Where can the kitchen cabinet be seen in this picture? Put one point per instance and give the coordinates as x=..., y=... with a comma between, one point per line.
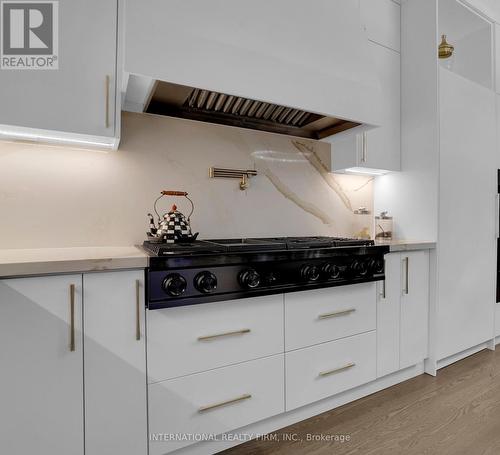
x=41, y=391
x=388, y=316
x=202, y=337
x=467, y=195
x=115, y=363
x=215, y=401
x=448, y=186
x=321, y=315
x=497, y=57
x=414, y=317
x=78, y=97
x=67, y=397
x=402, y=312
x=326, y=369
x=381, y=20
x=377, y=149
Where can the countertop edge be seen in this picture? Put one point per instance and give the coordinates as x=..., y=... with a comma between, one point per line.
x=408, y=246
x=41, y=265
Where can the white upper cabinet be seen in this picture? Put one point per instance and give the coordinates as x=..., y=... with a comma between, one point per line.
x=285, y=52
x=41, y=354
x=471, y=35
x=78, y=97
x=379, y=148
x=382, y=22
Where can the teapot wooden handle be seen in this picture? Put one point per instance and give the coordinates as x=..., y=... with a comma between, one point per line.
x=174, y=193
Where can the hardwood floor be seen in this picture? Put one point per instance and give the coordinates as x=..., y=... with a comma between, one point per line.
x=456, y=413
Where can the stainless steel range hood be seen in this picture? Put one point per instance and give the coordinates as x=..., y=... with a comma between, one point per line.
x=214, y=107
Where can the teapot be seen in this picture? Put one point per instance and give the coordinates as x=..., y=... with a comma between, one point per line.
x=173, y=226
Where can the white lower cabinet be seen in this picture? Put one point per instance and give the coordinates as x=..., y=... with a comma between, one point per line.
x=74, y=365
x=324, y=370
x=214, y=402
x=388, y=316
x=413, y=342
x=41, y=353
x=402, y=312
x=115, y=363
x=316, y=316
x=196, y=338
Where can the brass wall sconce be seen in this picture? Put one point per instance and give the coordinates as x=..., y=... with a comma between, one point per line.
x=242, y=174
x=445, y=50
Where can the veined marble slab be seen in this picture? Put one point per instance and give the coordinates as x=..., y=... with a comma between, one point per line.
x=25, y=262
x=407, y=245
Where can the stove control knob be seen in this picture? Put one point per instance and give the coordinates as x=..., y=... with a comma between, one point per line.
x=332, y=271
x=359, y=268
x=376, y=265
x=174, y=285
x=249, y=278
x=309, y=272
x=205, y=282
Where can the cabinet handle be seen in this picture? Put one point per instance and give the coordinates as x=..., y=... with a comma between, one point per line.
x=108, y=80
x=364, y=148
x=225, y=334
x=72, y=346
x=246, y=396
x=336, y=370
x=137, y=310
x=497, y=215
x=337, y=313
x=383, y=292
x=406, y=261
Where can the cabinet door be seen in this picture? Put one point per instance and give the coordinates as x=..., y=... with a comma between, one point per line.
x=115, y=364
x=378, y=148
x=414, y=307
x=383, y=145
x=74, y=97
x=388, y=316
x=41, y=391
x=467, y=196
x=382, y=22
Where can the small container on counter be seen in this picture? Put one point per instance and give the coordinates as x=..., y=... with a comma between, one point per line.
x=383, y=227
x=363, y=223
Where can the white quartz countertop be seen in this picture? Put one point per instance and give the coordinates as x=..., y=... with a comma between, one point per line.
x=407, y=245
x=42, y=261
x=22, y=262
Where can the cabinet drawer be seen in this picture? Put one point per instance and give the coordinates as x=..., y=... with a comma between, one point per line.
x=196, y=338
x=313, y=317
x=382, y=22
x=215, y=401
x=327, y=369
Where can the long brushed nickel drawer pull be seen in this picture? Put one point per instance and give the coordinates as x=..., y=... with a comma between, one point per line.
x=336, y=370
x=246, y=396
x=72, y=344
x=137, y=310
x=337, y=313
x=225, y=334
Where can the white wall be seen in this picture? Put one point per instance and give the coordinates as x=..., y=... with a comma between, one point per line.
x=53, y=196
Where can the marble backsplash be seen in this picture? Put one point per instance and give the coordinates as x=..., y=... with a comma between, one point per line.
x=56, y=196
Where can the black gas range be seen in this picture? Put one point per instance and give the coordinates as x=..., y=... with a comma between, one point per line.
x=224, y=269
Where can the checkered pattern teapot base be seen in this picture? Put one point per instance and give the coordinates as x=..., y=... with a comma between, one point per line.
x=174, y=226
